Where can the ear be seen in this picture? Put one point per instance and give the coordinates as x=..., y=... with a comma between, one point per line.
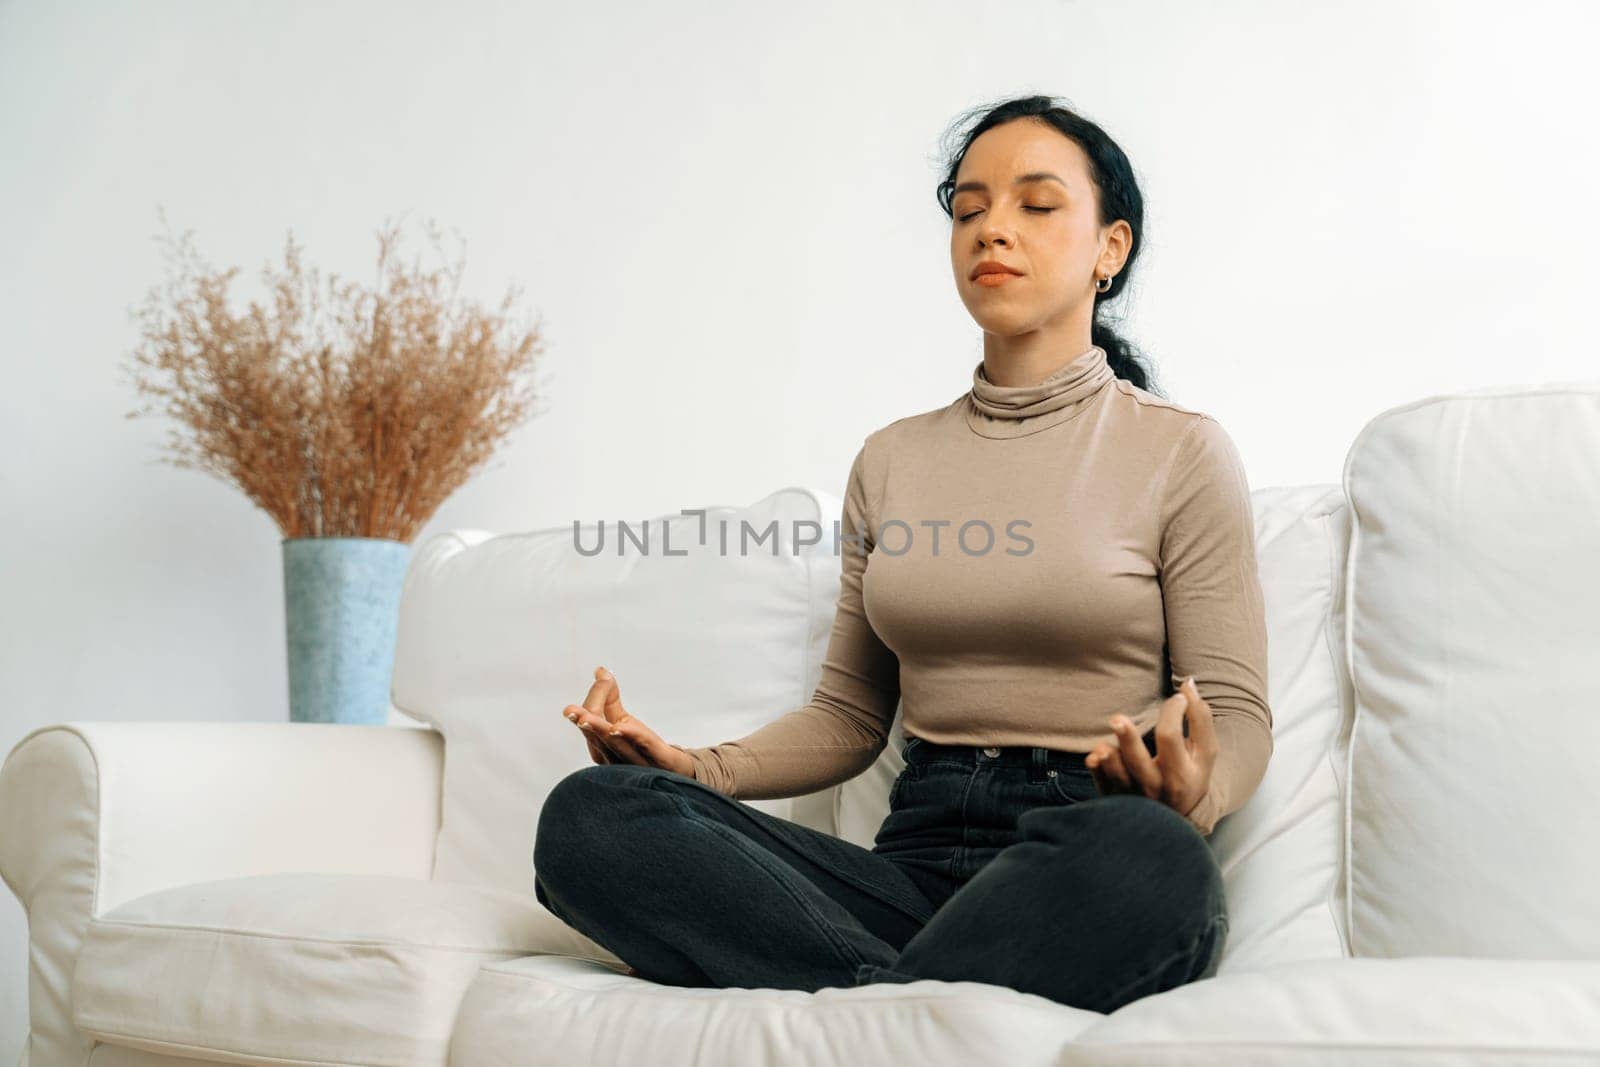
x=1116, y=244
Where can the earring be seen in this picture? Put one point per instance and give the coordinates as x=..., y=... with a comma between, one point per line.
x=1102, y=284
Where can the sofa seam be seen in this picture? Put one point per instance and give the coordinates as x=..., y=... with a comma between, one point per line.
x=360, y=943
x=1347, y=849
x=660, y=990
x=295, y=1061
x=1294, y=1045
x=1343, y=692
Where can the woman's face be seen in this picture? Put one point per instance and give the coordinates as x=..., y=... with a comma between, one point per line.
x=1023, y=198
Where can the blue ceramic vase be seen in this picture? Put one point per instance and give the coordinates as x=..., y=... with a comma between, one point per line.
x=341, y=609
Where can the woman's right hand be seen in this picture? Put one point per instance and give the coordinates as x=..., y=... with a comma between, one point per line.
x=615, y=736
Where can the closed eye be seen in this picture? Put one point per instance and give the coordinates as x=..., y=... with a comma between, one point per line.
x=1038, y=210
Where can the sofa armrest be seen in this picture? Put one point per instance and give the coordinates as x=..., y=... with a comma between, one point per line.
x=93, y=814
x=129, y=808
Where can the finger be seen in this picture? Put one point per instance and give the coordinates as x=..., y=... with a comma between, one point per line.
x=1202, y=726
x=604, y=698
x=644, y=740
x=603, y=702
x=1119, y=770
x=620, y=725
x=599, y=730
x=1110, y=776
x=1095, y=761
x=597, y=749
x=611, y=705
x=595, y=699
x=1172, y=754
x=1141, y=766
x=619, y=743
x=597, y=752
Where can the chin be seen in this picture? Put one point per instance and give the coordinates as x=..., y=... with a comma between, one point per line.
x=1005, y=322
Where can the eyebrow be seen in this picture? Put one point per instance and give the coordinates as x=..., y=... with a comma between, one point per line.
x=1031, y=176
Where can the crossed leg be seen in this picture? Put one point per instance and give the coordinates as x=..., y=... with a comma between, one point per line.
x=1100, y=903
x=694, y=888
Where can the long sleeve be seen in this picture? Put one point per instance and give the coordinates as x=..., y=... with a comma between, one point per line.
x=846, y=725
x=1215, y=611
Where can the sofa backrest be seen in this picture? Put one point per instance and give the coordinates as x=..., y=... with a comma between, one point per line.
x=1472, y=639
x=1431, y=789
x=708, y=640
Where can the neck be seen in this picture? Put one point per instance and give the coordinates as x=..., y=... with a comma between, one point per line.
x=1009, y=364
x=1009, y=410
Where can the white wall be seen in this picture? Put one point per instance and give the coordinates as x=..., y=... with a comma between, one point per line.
x=725, y=215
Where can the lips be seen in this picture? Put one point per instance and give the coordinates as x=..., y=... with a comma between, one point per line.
x=992, y=266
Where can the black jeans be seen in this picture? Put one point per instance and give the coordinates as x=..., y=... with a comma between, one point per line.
x=996, y=865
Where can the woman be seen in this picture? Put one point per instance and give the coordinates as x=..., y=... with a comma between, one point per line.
x=1083, y=700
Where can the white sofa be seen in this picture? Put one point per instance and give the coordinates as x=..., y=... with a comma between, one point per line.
x=1415, y=882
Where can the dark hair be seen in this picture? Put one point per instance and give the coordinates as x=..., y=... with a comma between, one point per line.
x=1118, y=196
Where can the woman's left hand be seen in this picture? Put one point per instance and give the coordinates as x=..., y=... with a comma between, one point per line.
x=1179, y=773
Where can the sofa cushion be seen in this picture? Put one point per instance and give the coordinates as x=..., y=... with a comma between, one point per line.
x=304, y=968
x=556, y=1010
x=1383, y=1012
x=708, y=641
x=1474, y=582
x=1280, y=852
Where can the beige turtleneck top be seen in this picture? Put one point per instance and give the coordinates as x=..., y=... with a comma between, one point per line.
x=1032, y=560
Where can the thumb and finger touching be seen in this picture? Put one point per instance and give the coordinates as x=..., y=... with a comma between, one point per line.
x=1126, y=765
x=610, y=728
